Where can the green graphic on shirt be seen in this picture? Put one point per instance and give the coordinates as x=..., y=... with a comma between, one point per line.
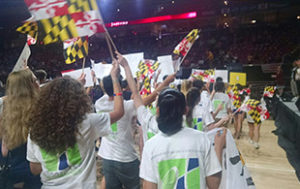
x=153, y=111
x=62, y=161
x=198, y=124
x=114, y=127
x=217, y=103
x=150, y=135
x=179, y=173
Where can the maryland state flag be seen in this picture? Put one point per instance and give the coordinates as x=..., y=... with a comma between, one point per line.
x=255, y=110
x=236, y=97
x=60, y=20
x=269, y=91
x=30, y=28
x=186, y=44
x=146, y=71
x=204, y=75
x=147, y=68
x=75, y=49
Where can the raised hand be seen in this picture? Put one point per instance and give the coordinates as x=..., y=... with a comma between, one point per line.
x=81, y=79
x=115, y=70
x=121, y=60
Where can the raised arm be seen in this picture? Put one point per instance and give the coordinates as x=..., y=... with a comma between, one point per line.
x=150, y=98
x=131, y=83
x=118, y=111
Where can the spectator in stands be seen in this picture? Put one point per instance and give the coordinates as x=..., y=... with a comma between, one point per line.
x=66, y=157
x=21, y=92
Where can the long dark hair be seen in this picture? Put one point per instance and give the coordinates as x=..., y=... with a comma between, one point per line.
x=171, y=104
x=192, y=99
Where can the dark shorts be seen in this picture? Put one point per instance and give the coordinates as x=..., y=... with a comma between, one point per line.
x=118, y=174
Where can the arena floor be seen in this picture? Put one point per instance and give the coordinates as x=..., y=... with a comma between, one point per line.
x=268, y=166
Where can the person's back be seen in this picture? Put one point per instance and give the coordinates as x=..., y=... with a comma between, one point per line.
x=119, y=145
x=179, y=157
x=76, y=166
x=117, y=150
x=66, y=158
x=21, y=91
x=182, y=160
x=221, y=98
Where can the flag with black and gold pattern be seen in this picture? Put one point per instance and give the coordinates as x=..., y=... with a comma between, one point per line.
x=252, y=109
x=269, y=91
x=186, y=44
x=204, y=75
x=58, y=28
x=29, y=28
x=75, y=49
x=60, y=20
x=147, y=68
x=81, y=6
x=236, y=97
x=146, y=88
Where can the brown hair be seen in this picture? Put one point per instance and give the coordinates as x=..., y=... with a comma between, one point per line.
x=21, y=91
x=58, y=112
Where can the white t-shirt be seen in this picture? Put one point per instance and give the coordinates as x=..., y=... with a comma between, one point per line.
x=148, y=122
x=1, y=105
x=120, y=145
x=182, y=160
x=201, y=118
x=205, y=101
x=76, y=167
x=218, y=99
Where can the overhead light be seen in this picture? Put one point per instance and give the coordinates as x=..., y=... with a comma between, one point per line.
x=162, y=8
x=225, y=14
x=173, y=2
x=298, y=17
x=118, y=10
x=225, y=2
x=253, y=21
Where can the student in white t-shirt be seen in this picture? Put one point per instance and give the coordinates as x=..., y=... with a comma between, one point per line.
x=179, y=156
x=220, y=98
x=191, y=144
x=61, y=144
x=198, y=117
x=117, y=150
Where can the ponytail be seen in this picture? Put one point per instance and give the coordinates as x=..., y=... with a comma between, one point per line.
x=192, y=99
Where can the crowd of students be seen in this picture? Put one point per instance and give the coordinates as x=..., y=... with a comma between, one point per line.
x=48, y=132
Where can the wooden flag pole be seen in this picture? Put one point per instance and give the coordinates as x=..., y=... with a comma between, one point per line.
x=112, y=42
x=109, y=48
x=185, y=56
x=83, y=65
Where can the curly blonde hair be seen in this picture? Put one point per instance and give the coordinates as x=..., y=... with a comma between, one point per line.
x=58, y=112
x=21, y=92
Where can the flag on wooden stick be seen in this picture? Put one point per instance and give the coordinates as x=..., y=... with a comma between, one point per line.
x=75, y=49
x=60, y=20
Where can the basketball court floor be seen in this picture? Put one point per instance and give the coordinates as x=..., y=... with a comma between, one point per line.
x=268, y=165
